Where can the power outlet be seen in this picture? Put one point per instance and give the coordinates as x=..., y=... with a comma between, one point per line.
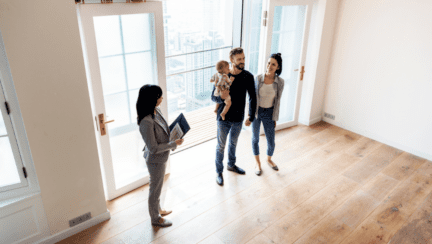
x=330, y=116
x=80, y=219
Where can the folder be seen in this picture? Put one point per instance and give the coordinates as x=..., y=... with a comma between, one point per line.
x=179, y=128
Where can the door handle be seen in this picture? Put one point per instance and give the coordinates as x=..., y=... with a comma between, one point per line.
x=301, y=72
x=108, y=121
x=102, y=123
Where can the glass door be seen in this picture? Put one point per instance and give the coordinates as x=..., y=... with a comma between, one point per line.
x=124, y=44
x=286, y=31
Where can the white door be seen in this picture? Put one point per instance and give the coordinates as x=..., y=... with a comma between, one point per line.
x=124, y=45
x=286, y=30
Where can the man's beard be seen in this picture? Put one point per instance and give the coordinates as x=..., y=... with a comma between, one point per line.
x=240, y=68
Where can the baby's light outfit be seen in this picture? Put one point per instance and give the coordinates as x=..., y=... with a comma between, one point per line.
x=221, y=80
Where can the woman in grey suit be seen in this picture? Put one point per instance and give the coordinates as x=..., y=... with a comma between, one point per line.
x=155, y=132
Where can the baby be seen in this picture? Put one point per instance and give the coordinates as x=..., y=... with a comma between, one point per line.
x=222, y=83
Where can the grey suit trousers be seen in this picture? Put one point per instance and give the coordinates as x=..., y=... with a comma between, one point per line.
x=157, y=174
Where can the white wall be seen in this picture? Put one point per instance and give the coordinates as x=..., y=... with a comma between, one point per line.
x=43, y=47
x=380, y=81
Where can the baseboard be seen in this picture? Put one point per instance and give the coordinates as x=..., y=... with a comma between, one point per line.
x=380, y=139
x=310, y=122
x=76, y=229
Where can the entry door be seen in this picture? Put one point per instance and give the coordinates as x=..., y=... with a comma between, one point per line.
x=124, y=44
x=286, y=30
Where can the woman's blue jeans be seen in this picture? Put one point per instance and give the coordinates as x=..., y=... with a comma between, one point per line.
x=265, y=115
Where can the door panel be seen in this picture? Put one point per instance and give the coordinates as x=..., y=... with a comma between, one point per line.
x=286, y=32
x=124, y=44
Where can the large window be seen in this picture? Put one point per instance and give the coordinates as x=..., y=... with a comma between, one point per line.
x=198, y=33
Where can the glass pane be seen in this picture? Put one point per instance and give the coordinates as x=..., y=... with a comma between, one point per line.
x=127, y=156
x=140, y=69
x=108, y=38
x=210, y=27
x=136, y=32
x=253, y=35
x=133, y=97
x=2, y=126
x=176, y=95
x=117, y=108
x=112, y=74
x=287, y=39
x=8, y=170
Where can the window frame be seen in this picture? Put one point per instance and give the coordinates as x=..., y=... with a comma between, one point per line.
x=236, y=42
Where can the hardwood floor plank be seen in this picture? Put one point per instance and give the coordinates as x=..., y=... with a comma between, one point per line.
x=353, y=211
x=373, y=164
x=392, y=213
x=291, y=226
x=418, y=228
x=404, y=166
x=341, y=222
x=381, y=186
x=367, y=146
x=260, y=239
x=279, y=204
x=328, y=230
x=211, y=240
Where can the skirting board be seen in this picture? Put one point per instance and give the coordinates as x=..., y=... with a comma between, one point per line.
x=380, y=139
x=310, y=122
x=76, y=229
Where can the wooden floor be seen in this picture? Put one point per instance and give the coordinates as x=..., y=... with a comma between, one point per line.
x=333, y=186
x=203, y=127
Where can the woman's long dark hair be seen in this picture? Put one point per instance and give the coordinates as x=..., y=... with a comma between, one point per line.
x=147, y=100
x=278, y=58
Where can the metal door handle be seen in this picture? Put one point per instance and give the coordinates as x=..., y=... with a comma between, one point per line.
x=102, y=123
x=108, y=121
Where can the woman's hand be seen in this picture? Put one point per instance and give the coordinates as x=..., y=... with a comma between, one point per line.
x=179, y=141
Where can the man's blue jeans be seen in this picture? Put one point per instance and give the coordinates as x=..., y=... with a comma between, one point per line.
x=234, y=129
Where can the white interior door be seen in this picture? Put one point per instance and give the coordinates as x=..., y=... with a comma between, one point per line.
x=286, y=31
x=124, y=44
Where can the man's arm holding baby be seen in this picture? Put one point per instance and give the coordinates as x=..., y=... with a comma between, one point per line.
x=223, y=96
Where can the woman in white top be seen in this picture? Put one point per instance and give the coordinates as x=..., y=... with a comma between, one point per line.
x=269, y=87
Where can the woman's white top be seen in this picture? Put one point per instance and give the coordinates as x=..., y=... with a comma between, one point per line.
x=267, y=94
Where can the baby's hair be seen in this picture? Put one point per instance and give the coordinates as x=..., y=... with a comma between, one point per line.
x=220, y=65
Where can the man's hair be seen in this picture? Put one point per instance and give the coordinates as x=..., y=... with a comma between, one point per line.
x=220, y=65
x=235, y=51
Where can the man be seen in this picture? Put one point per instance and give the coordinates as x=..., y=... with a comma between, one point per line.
x=243, y=82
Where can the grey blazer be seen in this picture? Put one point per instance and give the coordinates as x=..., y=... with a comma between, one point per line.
x=278, y=86
x=156, y=138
